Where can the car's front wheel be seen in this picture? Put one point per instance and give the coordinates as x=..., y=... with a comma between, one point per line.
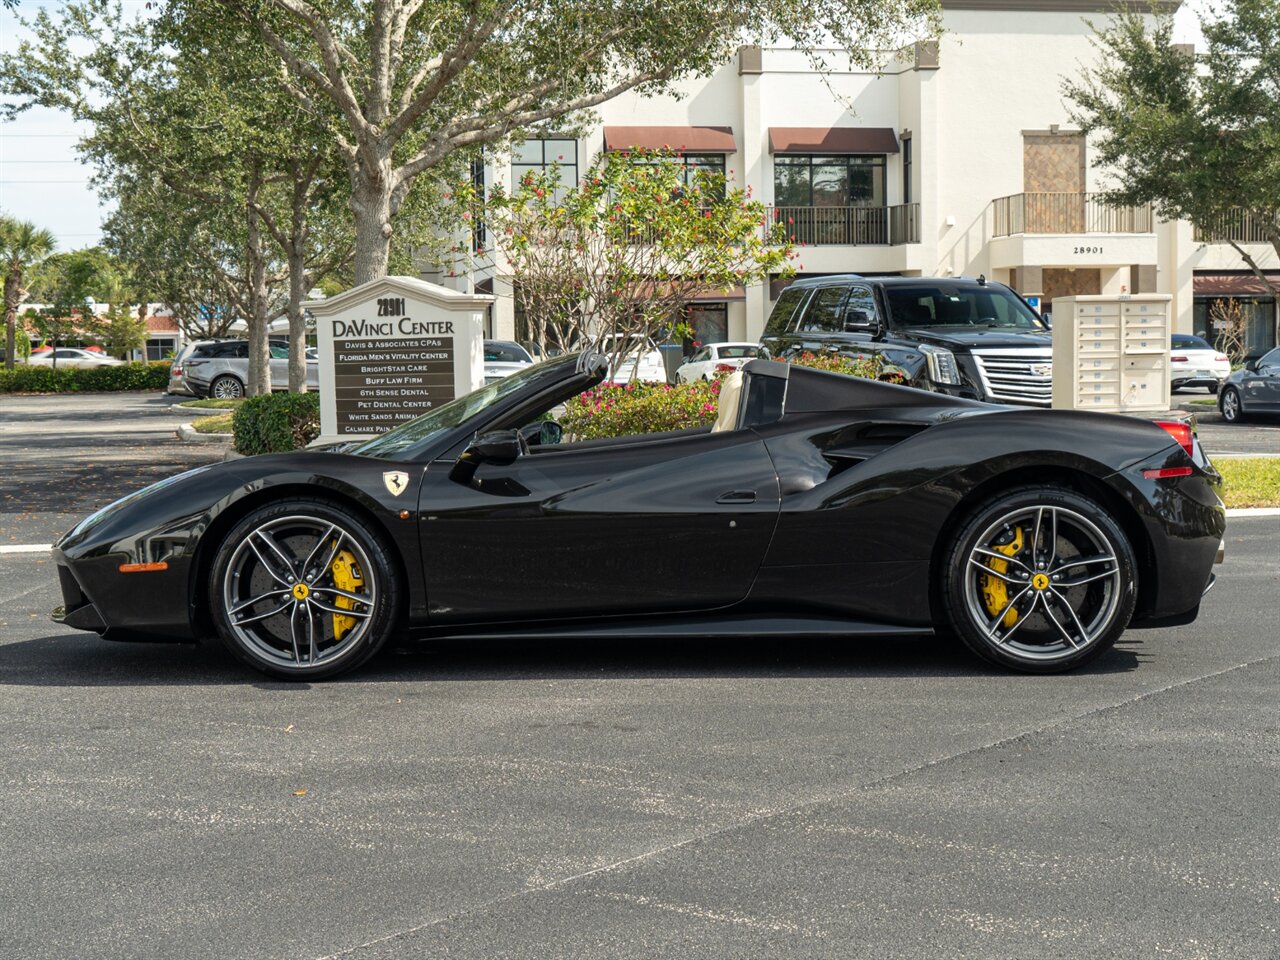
x=1229, y=405
x=1040, y=579
x=302, y=590
x=226, y=387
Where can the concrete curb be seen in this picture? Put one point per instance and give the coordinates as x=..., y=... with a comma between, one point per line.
x=1242, y=513
x=188, y=434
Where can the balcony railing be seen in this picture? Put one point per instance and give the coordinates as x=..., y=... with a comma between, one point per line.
x=1066, y=213
x=1238, y=224
x=849, y=226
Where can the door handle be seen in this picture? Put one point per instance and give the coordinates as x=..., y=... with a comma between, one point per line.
x=737, y=496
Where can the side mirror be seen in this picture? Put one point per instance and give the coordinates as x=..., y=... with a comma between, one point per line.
x=1252, y=364
x=858, y=321
x=500, y=447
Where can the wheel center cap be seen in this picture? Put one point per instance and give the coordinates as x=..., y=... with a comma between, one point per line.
x=1040, y=581
x=300, y=591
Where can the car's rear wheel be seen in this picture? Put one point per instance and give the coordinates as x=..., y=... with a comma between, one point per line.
x=302, y=590
x=1230, y=406
x=226, y=387
x=1040, y=579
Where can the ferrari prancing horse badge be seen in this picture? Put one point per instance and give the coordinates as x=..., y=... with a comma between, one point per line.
x=396, y=481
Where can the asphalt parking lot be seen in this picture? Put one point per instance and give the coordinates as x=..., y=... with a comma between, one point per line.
x=711, y=800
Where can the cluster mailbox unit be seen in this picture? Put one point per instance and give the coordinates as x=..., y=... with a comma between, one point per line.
x=1111, y=353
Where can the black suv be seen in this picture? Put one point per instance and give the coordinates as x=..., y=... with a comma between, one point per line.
x=969, y=338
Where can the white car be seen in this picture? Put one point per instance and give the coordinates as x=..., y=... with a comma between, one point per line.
x=502, y=358
x=713, y=358
x=71, y=357
x=1194, y=363
x=640, y=360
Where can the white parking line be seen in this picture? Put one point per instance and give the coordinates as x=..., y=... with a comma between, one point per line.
x=26, y=547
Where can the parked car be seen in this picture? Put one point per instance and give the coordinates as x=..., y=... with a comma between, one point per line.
x=1253, y=389
x=968, y=338
x=638, y=359
x=817, y=505
x=1194, y=363
x=220, y=368
x=69, y=357
x=177, y=370
x=713, y=358
x=503, y=358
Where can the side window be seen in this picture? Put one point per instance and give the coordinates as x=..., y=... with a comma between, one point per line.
x=1270, y=361
x=825, y=312
x=860, y=308
x=701, y=355
x=278, y=352
x=239, y=350
x=787, y=308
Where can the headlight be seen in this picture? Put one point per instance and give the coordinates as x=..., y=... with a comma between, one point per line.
x=942, y=364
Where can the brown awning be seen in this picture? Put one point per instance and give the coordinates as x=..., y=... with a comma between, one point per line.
x=683, y=139
x=1233, y=284
x=700, y=294
x=832, y=140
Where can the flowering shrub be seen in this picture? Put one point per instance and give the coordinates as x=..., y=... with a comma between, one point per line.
x=610, y=410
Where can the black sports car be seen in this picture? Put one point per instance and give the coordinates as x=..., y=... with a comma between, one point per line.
x=816, y=504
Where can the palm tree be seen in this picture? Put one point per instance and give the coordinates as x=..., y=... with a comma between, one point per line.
x=22, y=246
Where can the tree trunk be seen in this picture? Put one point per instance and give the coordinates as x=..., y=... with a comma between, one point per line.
x=12, y=294
x=297, y=320
x=259, y=344
x=371, y=204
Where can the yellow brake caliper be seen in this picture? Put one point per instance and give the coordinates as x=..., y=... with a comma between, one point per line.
x=347, y=576
x=995, y=593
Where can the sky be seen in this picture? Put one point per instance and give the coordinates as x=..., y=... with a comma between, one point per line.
x=42, y=180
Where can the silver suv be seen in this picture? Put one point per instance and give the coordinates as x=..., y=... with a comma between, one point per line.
x=220, y=368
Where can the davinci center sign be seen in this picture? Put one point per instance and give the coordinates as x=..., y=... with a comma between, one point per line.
x=394, y=349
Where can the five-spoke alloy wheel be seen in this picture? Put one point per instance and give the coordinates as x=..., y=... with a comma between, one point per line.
x=301, y=590
x=1229, y=404
x=1040, y=579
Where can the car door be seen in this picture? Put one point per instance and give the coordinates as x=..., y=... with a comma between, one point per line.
x=1267, y=380
x=663, y=524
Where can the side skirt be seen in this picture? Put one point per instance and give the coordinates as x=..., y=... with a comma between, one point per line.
x=642, y=627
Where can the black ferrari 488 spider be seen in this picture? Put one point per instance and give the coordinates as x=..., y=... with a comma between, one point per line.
x=818, y=504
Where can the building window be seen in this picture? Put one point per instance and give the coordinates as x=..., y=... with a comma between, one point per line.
x=479, y=231
x=805, y=180
x=539, y=156
x=159, y=348
x=906, y=169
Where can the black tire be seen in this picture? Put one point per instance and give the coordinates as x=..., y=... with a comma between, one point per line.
x=226, y=387
x=1230, y=405
x=294, y=628
x=1067, y=623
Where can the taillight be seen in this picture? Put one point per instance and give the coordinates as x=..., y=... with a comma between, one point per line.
x=176, y=371
x=1181, y=431
x=1177, y=359
x=1222, y=358
x=725, y=368
x=1166, y=473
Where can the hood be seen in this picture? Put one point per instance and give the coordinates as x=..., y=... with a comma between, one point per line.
x=968, y=338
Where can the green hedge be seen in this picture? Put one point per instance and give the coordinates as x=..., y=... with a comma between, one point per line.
x=276, y=423
x=128, y=376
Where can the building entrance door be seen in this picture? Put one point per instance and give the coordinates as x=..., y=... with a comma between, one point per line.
x=710, y=322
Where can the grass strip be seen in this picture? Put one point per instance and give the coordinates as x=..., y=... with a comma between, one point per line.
x=210, y=403
x=1250, y=481
x=221, y=423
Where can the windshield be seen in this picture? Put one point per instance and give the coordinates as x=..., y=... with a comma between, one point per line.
x=497, y=352
x=459, y=411
x=941, y=304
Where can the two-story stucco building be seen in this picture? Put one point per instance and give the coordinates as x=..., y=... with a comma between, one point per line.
x=957, y=159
